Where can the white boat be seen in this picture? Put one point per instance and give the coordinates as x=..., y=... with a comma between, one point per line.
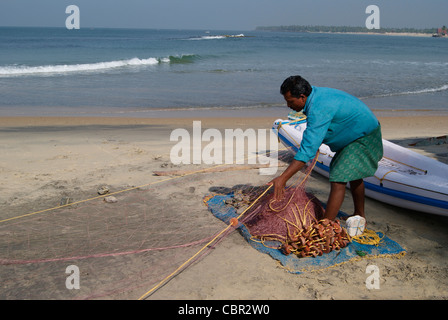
x=404, y=178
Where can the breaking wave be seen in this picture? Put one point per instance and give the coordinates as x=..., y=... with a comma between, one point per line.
x=214, y=37
x=422, y=91
x=18, y=70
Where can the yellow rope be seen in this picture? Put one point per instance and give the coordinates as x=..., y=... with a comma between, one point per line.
x=142, y=186
x=303, y=180
x=408, y=165
x=121, y=191
x=202, y=249
x=109, y=194
x=384, y=176
x=369, y=237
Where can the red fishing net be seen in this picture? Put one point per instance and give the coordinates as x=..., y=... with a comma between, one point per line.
x=295, y=223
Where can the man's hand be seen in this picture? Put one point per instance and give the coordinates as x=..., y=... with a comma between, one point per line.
x=280, y=182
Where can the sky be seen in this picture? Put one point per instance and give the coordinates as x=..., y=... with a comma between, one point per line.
x=223, y=14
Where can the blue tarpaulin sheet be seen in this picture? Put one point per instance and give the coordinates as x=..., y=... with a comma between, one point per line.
x=294, y=264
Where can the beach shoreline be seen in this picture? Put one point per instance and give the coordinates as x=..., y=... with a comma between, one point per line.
x=47, y=159
x=214, y=116
x=395, y=125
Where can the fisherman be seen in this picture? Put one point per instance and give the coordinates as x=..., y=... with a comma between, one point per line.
x=348, y=127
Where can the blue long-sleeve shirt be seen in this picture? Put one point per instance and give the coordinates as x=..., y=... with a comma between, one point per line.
x=334, y=118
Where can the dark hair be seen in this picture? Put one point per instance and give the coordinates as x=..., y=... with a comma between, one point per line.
x=296, y=85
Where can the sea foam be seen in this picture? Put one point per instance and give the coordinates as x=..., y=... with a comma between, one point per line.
x=16, y=70
x=214, y=37
x=411, y=92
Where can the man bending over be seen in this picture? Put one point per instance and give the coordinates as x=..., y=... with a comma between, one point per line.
x=348, y=127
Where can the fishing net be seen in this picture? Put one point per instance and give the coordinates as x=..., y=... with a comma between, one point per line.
x=294, y=224
x=118, y=247
x=154, y=232
x=121, y=248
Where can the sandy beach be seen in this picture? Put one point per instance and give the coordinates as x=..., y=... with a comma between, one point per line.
x=49, y=162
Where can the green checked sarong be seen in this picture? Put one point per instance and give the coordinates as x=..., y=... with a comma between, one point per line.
x=359, y=159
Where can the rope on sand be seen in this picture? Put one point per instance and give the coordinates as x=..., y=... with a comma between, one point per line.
x=213, y=169
x=108, y=194
x=231, y=225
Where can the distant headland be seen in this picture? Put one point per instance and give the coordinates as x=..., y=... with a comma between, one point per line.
x=428, y=32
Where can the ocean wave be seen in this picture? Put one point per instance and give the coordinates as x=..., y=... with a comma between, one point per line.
x=180, y=59
x=18, y=70
x=422, y=91
x=214, y=37
x=436, y=64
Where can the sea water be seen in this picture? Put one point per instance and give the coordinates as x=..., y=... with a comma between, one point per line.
x=151, y=73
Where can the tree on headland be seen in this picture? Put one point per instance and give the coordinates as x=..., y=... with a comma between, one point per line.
x=343, y=29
